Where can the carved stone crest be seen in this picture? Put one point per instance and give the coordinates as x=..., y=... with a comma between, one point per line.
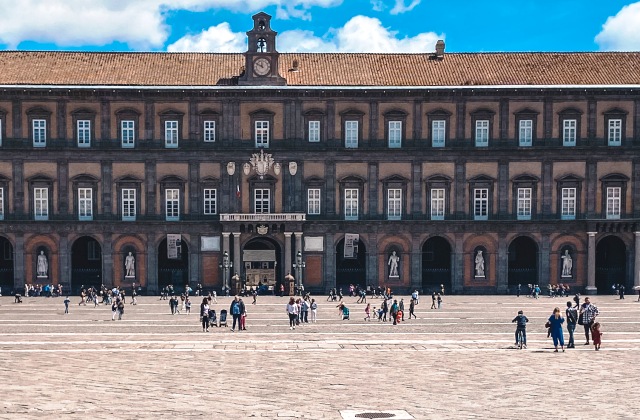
x=231, y=168
x=262, y=229
x=293, y=168
x=261, y=163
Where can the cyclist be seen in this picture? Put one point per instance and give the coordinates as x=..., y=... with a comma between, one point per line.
x=521, y=321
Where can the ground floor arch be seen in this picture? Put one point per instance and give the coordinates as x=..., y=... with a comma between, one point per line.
x=351, y=270
x=611, y=263
x=436, y=264
x=262, y=264
x=6, y=265
x=523, y=261
x=173, y=271
x=86, y=263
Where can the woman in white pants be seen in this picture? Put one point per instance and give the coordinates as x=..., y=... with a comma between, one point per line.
x=314, y=311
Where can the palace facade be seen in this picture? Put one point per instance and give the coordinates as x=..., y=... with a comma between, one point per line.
x=477, y=171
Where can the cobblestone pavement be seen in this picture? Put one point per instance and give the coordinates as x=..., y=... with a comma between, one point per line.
x=456, y=362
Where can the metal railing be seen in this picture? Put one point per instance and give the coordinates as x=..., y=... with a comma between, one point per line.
x=263, y=217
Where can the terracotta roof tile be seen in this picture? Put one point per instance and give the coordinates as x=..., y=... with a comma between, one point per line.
x=322, y=69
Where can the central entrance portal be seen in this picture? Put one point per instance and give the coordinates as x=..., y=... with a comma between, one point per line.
x=260, y=258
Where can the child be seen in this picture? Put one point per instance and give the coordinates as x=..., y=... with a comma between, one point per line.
x=596, y=334
x=367, y=312
x=399, y=315
x=521, y=321
x=66, y=305
x=380, y=314
x=187, y=304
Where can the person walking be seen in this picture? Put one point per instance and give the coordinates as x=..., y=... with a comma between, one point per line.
x=314, y=311
x=67, y=301
x=243, y=316
x=401, y=308
x=433, y=300
x=204, y=314
x=367, y=312
x=393, y=312
x=439, y=301
x=385, y=309
x=292, y=311
x=597, y=335
x=120, y=309
x=621, y=290
x=412, y=307
x=518, y=290
x=588, y=313
x=572, y=319
x=235, y=311
x=555, y=322
x=114, y=309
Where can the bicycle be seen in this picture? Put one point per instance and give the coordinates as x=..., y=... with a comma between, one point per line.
x=520, y=339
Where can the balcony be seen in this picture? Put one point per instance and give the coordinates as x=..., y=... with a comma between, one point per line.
x=263, y=217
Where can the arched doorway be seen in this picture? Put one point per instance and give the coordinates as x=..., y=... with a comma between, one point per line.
x=436, y=264
x=86, y=264
x=6, y=265
x=611, y=263
x=351, y=270
x=174, y=271
x=260, y=264
x=523, y=261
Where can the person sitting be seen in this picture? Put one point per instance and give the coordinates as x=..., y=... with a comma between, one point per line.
x=18, y=298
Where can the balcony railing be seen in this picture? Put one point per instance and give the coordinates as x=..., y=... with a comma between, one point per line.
x=263, y=217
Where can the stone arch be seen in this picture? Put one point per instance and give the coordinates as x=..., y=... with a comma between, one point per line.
x=121, y=246
x=31, y=247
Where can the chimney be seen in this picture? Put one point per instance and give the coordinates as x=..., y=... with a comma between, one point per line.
x=295, y=66
x=440, y=49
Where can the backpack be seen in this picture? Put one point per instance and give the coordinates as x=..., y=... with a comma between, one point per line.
x=236, y=309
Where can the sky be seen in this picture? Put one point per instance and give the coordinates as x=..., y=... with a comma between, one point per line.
x=376, y=26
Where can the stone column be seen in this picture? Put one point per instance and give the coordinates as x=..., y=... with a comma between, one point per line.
x=237, y=260
x=298, y=236
x=591, y=265
x=152, y=265
x=225, y=248
x=287, y=255
x=636, y=264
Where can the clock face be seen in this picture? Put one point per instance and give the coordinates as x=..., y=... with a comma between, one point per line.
x=261, y=66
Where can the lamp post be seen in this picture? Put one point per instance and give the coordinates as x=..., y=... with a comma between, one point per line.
x=225, y=265
x=298, y=266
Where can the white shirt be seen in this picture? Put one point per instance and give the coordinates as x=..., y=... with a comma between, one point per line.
x=292, y=309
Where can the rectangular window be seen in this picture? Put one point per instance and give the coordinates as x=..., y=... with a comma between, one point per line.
x=39, y=133
x=262, y=133
x=525, y=135
x=615, y=133
x=84, y=133
x=41, y=203
x=351, y=204
x=351, y=134
x=394, y=204
x=524, y=203
x=613, y=202
x=262, y=200
x=313, y=201
x=438, y=133
x=93, y=251
x=85, y=204
x=209, y=131
x=481, y=204
x=569, y=132
x=128, y=204
x=127, y=132
x=482, y=133
x=210, y=204
x=171, y=134
x=437, y=203
x=1, y=203
x=568, y=203
x=395, y=134
x=314, y=131
x=172, y=202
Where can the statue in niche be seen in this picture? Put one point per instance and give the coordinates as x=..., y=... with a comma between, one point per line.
x=130, y=265
x=479, y=264
x=393, y=264
x=567, y=264
x=43, y=265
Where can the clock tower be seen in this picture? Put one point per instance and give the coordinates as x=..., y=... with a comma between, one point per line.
x=261, y=58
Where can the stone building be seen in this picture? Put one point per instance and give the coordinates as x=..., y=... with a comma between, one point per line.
x=480, y=171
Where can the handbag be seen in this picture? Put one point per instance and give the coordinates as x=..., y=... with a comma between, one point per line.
x=547, y=324
x=580, y=319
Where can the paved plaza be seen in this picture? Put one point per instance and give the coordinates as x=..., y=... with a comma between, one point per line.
x=456, y=362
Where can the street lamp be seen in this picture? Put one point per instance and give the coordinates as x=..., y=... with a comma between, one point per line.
x=298, y=266
x=225, y=265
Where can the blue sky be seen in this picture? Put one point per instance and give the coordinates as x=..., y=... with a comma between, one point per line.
x=322, y=25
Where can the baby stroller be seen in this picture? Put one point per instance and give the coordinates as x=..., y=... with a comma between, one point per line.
x=223, y=318
x=213, y=318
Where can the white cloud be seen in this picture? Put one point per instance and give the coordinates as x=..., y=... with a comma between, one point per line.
x=622, y=31
x=377, y=5
x=401, y=8
x=138, y=23
x=359, y=34
x=218, y=38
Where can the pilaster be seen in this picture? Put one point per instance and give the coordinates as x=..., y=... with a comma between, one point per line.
x=457, y=282
x=591, y=264
x=18, y=262
x=372, y=184
x=502, y=274
x=152, y=264
x=63, y=187
x=107, y=186
x=150, y=184
x=544, y=268
x=288, y=267
x=107, y=260
x=416, y=188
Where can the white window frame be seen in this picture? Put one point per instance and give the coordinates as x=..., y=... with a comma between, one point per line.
x=210, y=200
x=481, y=204
x=83, y=128
x=614, y=132
x=394, y=204
x=351, y=134
x=262, y=200
x=482, y=133
x=614, y=202
x=39, y=127
x=262, y=133
x=568, y=203
x=171, y=134
x=209, y=128
x=41, y=203
x=314, y=131
x=128, y=133
x=395, y=134
x=569, y=132
x=313, y=201
x=85, y=204
x=351, y=196
x=172, y=204
x=1, y=203
x=525, y=133
x=437, y=203
x=129, y=204
x=438, y=133
x=524, y=203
